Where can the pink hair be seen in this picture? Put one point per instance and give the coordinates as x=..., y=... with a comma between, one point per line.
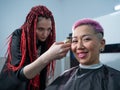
x=88, y=21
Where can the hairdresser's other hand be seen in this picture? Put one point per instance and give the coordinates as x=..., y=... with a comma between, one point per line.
x=58, y=50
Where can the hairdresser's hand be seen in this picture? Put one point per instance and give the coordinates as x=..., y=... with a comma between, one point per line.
x=58, y=50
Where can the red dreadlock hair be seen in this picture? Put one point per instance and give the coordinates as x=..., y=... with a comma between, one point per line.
x=28, y=40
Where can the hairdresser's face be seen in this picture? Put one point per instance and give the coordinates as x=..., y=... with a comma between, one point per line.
x=43, y=28
x=86, y=45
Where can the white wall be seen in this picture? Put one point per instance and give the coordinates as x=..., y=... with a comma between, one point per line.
x=111, y=25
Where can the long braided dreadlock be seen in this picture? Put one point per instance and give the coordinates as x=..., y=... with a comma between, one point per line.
x=28, y=40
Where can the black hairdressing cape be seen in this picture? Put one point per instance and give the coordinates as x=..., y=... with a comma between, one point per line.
x=103, y=78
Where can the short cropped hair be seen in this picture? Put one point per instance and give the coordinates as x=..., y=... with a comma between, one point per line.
x=87, y=21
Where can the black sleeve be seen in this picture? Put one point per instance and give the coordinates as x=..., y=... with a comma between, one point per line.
x=15, y=47
x=14, y=80
x=16, y=53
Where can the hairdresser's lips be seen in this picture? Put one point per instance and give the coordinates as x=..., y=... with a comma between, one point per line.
x=42, y=39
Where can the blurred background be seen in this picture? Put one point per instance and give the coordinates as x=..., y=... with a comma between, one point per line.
x=66, y=12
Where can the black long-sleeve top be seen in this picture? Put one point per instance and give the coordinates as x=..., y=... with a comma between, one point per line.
x=18, y=79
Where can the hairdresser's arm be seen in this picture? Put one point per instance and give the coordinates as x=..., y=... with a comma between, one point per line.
x=56, y=51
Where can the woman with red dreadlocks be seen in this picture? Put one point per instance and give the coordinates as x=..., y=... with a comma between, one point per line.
x=32, y=52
